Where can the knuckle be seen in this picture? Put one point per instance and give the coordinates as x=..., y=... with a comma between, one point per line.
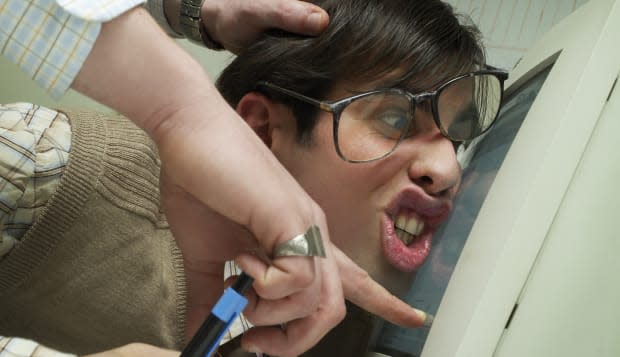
x=282, y=10
x=338, y=314
x=308, y=304
x=360, y=276
x=293, y=350
x=335, y=312
x=260, y=288
x=252, y=317
x=305, y=278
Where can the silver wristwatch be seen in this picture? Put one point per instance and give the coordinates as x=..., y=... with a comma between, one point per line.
x=192, y=26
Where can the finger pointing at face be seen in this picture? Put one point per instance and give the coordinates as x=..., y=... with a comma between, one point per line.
x=363, y=291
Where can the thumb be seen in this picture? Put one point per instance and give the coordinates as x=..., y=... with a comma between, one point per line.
x=362, y=290
x=294, y=16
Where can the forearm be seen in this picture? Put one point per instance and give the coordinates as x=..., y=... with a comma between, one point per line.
x=137, y=70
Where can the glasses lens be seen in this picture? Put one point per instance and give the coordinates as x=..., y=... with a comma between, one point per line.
x=370, y=127
x=469, y=106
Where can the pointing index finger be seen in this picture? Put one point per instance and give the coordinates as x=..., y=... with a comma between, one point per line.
x=362, y=290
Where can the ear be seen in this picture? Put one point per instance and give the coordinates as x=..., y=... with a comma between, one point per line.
x=259, y=113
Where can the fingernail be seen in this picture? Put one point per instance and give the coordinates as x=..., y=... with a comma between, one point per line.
x=428, y=320
x=316, y=21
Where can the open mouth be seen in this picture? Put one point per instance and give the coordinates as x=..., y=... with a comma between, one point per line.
x=408, y=225
x=406, y=241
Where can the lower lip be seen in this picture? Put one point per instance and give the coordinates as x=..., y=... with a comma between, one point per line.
x=402, y=257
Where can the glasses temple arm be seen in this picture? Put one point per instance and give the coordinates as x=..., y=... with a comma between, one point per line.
x=320, y=104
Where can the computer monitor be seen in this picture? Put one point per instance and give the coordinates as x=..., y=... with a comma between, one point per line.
x=526, y=264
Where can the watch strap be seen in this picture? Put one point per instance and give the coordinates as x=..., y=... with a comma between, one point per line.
x=192, y=26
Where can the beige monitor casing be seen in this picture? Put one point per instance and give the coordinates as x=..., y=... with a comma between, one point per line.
x=545, y=245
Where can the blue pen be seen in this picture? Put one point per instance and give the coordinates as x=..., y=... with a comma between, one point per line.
x=225, y=311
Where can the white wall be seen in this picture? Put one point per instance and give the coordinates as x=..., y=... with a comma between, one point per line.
x=510, y=27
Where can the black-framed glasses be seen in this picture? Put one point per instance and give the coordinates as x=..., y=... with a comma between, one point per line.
x=370, y=125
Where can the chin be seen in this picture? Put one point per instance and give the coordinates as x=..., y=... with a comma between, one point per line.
x=394, y=280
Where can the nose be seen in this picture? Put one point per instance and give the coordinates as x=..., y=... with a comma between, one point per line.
x=434, y=166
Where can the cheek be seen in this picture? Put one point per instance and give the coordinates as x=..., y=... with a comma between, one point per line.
x=351, y=195
x=353, y=211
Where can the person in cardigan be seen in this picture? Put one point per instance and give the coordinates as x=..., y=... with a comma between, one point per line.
x=383, y=169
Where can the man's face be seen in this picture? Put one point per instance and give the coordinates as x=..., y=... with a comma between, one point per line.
x=367, y=204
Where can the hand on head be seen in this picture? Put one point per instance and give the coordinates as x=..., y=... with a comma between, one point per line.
x=237, y=23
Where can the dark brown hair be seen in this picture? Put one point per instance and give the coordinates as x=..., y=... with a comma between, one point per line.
x=365, y=41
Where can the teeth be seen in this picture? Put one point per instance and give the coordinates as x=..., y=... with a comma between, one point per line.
x=404, y=236
x=407, y=227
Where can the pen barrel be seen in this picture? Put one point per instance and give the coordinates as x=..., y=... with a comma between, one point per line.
x=205, y=338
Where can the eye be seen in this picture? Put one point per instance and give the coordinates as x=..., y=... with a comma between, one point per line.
x=383, y=115
x=391, y=123
x=464, y=123
x=394, y=118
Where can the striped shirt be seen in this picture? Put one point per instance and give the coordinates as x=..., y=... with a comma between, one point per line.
x=50, y=39
x=34, y=149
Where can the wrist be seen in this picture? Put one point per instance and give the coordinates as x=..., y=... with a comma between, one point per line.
x=192, y=24
x=209, y=13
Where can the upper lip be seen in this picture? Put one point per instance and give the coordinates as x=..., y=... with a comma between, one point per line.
x=432, y=210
